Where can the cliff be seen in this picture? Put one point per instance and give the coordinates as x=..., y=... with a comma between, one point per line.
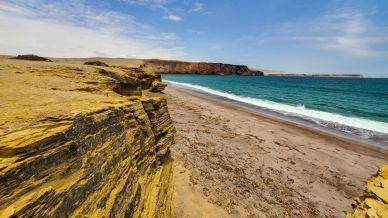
x=75, y=142
x=318, y=75
x=374, y=201
x=181, y=67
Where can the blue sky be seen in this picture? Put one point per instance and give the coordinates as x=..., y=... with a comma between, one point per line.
x=309, y=36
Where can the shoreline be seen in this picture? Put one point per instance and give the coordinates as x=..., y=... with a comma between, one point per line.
x=249, y=164
x=292, y=119
x=325, y=132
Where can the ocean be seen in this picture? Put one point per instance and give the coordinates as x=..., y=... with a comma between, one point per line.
x=353, y=107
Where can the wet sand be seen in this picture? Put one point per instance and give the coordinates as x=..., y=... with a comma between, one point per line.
x=230, y=161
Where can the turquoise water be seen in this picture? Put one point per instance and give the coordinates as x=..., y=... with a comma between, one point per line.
x=352, y=105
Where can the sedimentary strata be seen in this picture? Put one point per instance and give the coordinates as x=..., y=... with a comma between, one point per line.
x=131, y=81
x=182, y=67
x=71, y=146
x=374, y=201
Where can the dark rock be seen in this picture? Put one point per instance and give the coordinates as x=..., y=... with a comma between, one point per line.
x=31, y=57
x=96, y=63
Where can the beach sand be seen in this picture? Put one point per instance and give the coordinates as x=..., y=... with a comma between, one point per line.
x=233, y=162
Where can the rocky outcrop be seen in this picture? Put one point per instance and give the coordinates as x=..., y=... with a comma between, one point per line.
x=181, y=67
x=96, y=63
x=149, y=80
x=31, y=57
x=157, y=86
x=131, y=81
x=71, y=147
x=374, y=201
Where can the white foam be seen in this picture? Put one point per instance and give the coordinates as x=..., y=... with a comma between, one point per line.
x=299, y=110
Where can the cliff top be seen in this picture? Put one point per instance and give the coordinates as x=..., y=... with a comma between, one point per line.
x=40, y=90
x=37, y=98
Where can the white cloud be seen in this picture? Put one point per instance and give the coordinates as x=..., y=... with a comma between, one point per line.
x=174, y=18
x=81, y=32
x=9, y=8
x=76, y=12
x=143, y=2
x=158, y=4
x=345, y=31
x=197, y=7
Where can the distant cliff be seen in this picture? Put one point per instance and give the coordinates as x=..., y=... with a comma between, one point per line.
x=317, y=75
x=203, y=68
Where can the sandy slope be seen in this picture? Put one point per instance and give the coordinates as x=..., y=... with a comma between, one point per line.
x=254, y=166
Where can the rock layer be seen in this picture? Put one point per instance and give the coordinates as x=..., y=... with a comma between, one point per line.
x=70, y=146
x=131, y=81
x=181, y=67
x=374, y=201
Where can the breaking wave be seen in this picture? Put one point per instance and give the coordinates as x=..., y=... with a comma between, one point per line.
x=354, y=125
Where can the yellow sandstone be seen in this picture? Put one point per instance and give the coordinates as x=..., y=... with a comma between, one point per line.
x=75, y=142
x=373, y=202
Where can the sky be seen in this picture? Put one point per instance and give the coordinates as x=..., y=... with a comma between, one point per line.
x=299, y=36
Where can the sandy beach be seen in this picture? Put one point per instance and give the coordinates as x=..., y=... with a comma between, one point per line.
x=232, y=162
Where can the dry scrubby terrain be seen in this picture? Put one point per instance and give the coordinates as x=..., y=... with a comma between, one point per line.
x=74, y=141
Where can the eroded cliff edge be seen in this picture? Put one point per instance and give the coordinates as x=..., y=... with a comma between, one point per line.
x=75, y=141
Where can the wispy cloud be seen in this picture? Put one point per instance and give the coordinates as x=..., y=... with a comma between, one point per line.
x=174, y=18
x=197, y=7
x=173, y=10
x=157, y=4
x=161, y=5
x=74, y=29
x=346, y=31
x=144, y=2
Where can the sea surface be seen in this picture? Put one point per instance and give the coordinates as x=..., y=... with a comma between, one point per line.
x=354, y=107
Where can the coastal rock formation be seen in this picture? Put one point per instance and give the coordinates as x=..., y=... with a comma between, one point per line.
x=70, y=146
x=31, y=57
x=157, y=86
x=374, y=201
x=131, y=81
x=181, y=67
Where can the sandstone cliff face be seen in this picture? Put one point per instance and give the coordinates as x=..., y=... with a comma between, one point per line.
x=180, y=67
x=374, y=201
x=70, y=146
